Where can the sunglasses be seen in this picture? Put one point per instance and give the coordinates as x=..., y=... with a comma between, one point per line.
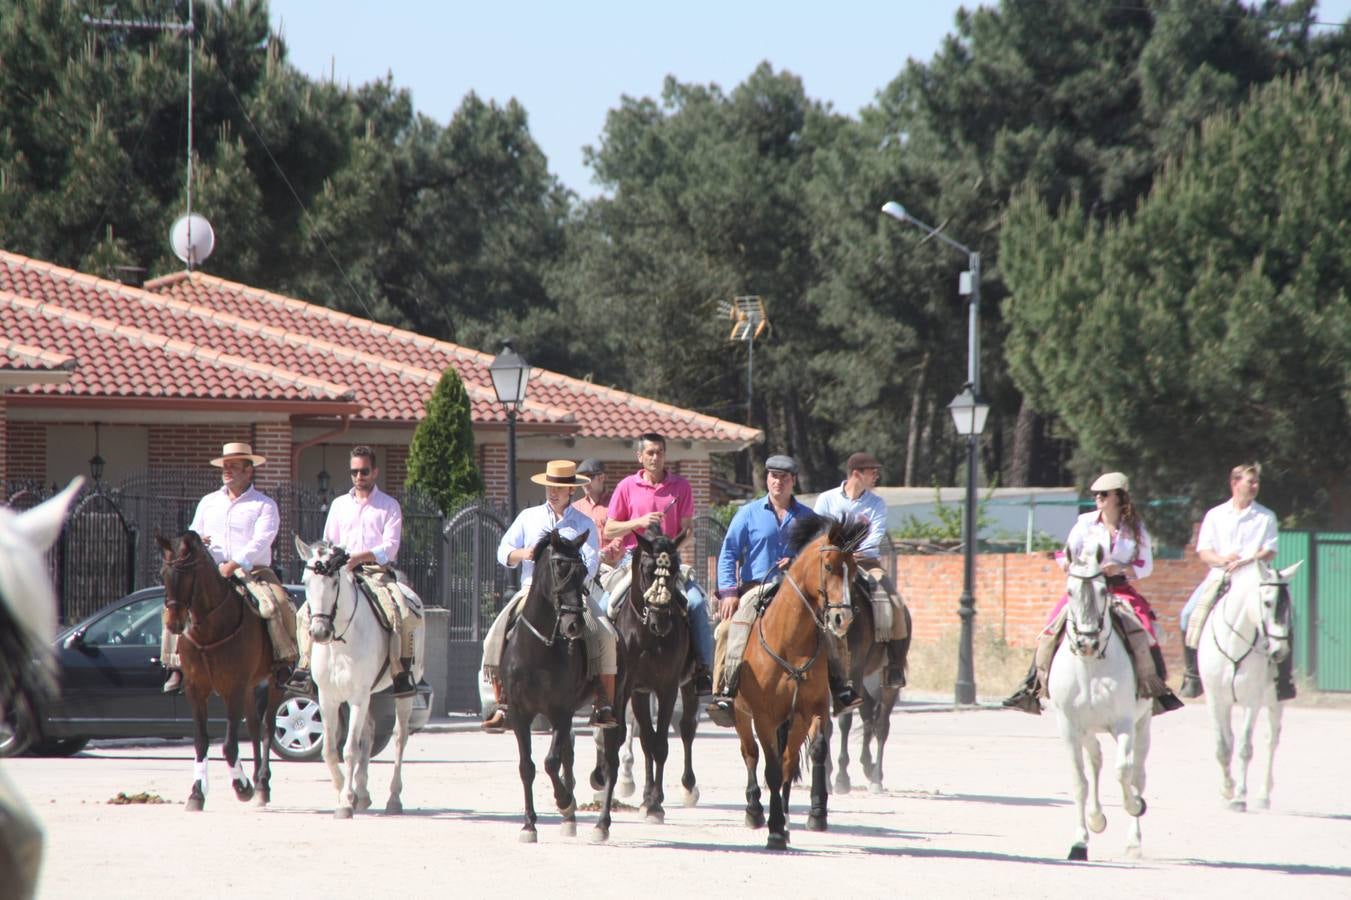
x=1103, y=495
x=363, y=472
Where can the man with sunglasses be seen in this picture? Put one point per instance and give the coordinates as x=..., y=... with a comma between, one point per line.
x=368, y=524
x=238, y=524
x=517, y=547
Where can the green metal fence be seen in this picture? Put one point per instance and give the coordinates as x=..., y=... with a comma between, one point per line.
x=1321, y=594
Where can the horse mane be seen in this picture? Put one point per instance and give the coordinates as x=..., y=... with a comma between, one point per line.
x=845, y=533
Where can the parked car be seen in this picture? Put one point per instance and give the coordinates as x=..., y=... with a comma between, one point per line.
x=111, y=679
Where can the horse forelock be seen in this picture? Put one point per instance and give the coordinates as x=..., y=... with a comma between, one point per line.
x=805, y=529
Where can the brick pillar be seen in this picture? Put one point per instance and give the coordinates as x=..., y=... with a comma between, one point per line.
x=189, y=446
x=492, y=465
x=4, y=447
x=699, y=473
x=393, y=464
x=272, y=440
x=26, y=450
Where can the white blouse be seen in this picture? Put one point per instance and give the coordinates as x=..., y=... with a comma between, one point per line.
x=1091, y=530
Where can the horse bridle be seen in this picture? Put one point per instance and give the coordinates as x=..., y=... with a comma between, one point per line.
x=188, y=564
x=798, y=674
x=1260, y=632
x=657, y=597
x=1093, y=633
x=332, y=568
x=561, y=608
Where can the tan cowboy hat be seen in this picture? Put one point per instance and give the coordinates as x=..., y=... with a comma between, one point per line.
x=560, y=473
x=1111, y=481
x=238, y=451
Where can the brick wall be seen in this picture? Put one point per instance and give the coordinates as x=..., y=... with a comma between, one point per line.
x=393, y=465
x=26, y=451
x=272, y=440
x=1014, y=593
x=699, y=472
x=492, y=465
x=188, y=446
x=4, y=446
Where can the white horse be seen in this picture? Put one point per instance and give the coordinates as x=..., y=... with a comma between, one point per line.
x=1092, y=688
x=27, y=623
x=348, y=663
x=1246, y=635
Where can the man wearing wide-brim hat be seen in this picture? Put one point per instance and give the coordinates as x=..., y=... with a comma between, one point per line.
x=560, y=479
x=238, y=524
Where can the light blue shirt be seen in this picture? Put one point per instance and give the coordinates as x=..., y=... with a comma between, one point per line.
x=868, y=507
x=534, y=523
x=755, y=540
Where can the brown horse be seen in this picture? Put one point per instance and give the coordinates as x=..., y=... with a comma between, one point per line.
x=867, y=657
x=225, y=650
x=784, y=699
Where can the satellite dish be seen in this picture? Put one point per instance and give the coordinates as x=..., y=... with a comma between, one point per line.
x=192, y=239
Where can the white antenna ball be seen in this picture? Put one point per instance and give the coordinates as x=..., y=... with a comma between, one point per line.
x=192, y=239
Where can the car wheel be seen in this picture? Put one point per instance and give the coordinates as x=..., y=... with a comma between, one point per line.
x=59, y=746
x=298, y=731
x=11, y=742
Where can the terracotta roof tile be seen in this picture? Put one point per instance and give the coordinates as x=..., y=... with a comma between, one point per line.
x=16, y=355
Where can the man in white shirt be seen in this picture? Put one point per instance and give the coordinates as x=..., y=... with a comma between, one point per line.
x=559, y=478
x=368, y=524
x=238, y=524
x=1236, y=533
x=855, y=498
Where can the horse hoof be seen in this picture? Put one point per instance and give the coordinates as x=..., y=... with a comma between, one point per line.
x=625, y=788
x=568, y=829
x=874, y=787
x=692, y=797
x=598, y=782
x=528, y=836
x=194, y=804
x=1263, y=803
x=245, y=793
x=843, y=785
x=600, y=835
x=1097, y=822
x=755, y=820
x=393, y=807
x=1239, y=806
x=1079, y=853
x=570, y=812
x=1144, y=807
x=363, y=803
x=777, y=841
x=656, y=817
x=816, y=823
x=342, y=812
x=1133, y=851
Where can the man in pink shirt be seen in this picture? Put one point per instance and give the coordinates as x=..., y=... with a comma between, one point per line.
x=368, y=524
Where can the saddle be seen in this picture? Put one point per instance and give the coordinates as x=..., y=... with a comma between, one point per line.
x=1129, y=631
x=373, y=601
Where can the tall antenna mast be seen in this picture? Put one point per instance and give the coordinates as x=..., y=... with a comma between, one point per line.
x=749, y=322
x=191, y=237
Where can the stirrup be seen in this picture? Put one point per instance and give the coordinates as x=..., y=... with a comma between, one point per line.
x=1191, y=687
x=300, y=682
x=603, y=716
x=174, y=683
x=721, y=711
x=497, y=722
x=846, y=700
x=1024, y=700
x=403, y=685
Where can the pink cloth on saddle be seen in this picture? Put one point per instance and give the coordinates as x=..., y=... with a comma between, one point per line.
x=1126, y=592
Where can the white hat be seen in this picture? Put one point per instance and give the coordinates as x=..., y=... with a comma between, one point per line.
x=1111, y=481
x=238, y=451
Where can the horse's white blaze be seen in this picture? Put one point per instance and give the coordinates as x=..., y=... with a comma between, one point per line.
x=1092, y=689
x=1240, y=645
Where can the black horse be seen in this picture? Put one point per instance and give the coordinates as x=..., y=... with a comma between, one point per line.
x=867, y=658
x=655, y=642
x=544, y=672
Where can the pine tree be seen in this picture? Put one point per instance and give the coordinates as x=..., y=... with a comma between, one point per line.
x=441, y=457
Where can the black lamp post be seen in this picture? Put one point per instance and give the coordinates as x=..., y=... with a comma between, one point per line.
x=973, y=412
x=96, y=462
x=510, y=373
x=968, y=415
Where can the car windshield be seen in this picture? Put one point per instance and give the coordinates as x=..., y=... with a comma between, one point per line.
x=136, y=623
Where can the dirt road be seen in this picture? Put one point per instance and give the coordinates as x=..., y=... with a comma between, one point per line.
x=977, y=803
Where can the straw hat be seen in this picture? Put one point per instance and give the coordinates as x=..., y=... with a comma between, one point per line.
x=560, y=473
x=238, y=451
x=1111, y=481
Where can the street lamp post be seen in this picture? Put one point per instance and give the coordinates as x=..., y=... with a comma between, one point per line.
x=510, y=373
x=968, y=414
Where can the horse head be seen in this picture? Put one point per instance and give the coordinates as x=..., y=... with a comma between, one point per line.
x=823, y=567
x=1273, y=610
x=186, y=565
x=323, y=568
x=560, y=581
x=1087, y=627
x=656, y=580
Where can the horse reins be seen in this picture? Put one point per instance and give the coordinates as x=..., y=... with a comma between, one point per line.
x=560, y=610
x=658, y=593
x=1102, y=621
x=1259, y=631
x=332, y=567
x=189, y=564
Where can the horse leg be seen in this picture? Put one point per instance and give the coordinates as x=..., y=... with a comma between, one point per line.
x=403, y=709
x=1142, y=739
x=1093, y=816
x=526, y=768
x=613, y=738
x=1076, y=744
x=553, y=765
x=1126, y=759
x=330, y=714
x=625, y=787
x=877, y=732
x=689, y=723
x=267, y=717
x=200, y=745
x=842, y=783
x=774, y=784
x=361, y=775
x=1274, y=713
x=750, y=754
x=1244, y=748
x=661, y=748
x=1221, y=714
x=819, y=743
x=644, y=726
x=234, y=711
x=251, y=721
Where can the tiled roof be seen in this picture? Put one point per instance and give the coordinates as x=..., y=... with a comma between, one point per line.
x=600, y=411
x=18, y=356
x=233, y=333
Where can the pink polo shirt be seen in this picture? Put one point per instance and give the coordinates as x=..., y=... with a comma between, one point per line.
x=635, y=497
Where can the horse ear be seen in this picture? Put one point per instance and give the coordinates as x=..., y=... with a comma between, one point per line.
x=302, y=548
x=580, y=539
x=1290, y=570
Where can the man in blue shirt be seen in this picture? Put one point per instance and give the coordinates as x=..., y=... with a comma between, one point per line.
x=753, y=557
x=855, y=498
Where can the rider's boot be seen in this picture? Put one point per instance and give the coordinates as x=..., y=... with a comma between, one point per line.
x=603, y=714
x=300, y=681
x=703, y=680
x=1285, y=678
x=845, y=698
x=894, y=675
x=403, y=682
x=1025, y=698
x=1191, y=676
x=497, y=722
x=720, y=710
x=1166, y=701
x=174, y=683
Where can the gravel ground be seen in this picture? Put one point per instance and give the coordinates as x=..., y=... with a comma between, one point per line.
x=976, y=802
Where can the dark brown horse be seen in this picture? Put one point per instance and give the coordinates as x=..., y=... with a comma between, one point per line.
x=784, y=699
x=225, y=650
x=866, y=659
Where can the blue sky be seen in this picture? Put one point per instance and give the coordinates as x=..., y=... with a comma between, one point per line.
x=569, y=63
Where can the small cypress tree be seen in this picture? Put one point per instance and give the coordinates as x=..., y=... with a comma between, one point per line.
x=441, y=456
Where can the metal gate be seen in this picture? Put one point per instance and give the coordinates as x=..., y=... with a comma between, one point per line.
x=1321, y=595
x=708, y=535
x=96, y=556
x=476, y=588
